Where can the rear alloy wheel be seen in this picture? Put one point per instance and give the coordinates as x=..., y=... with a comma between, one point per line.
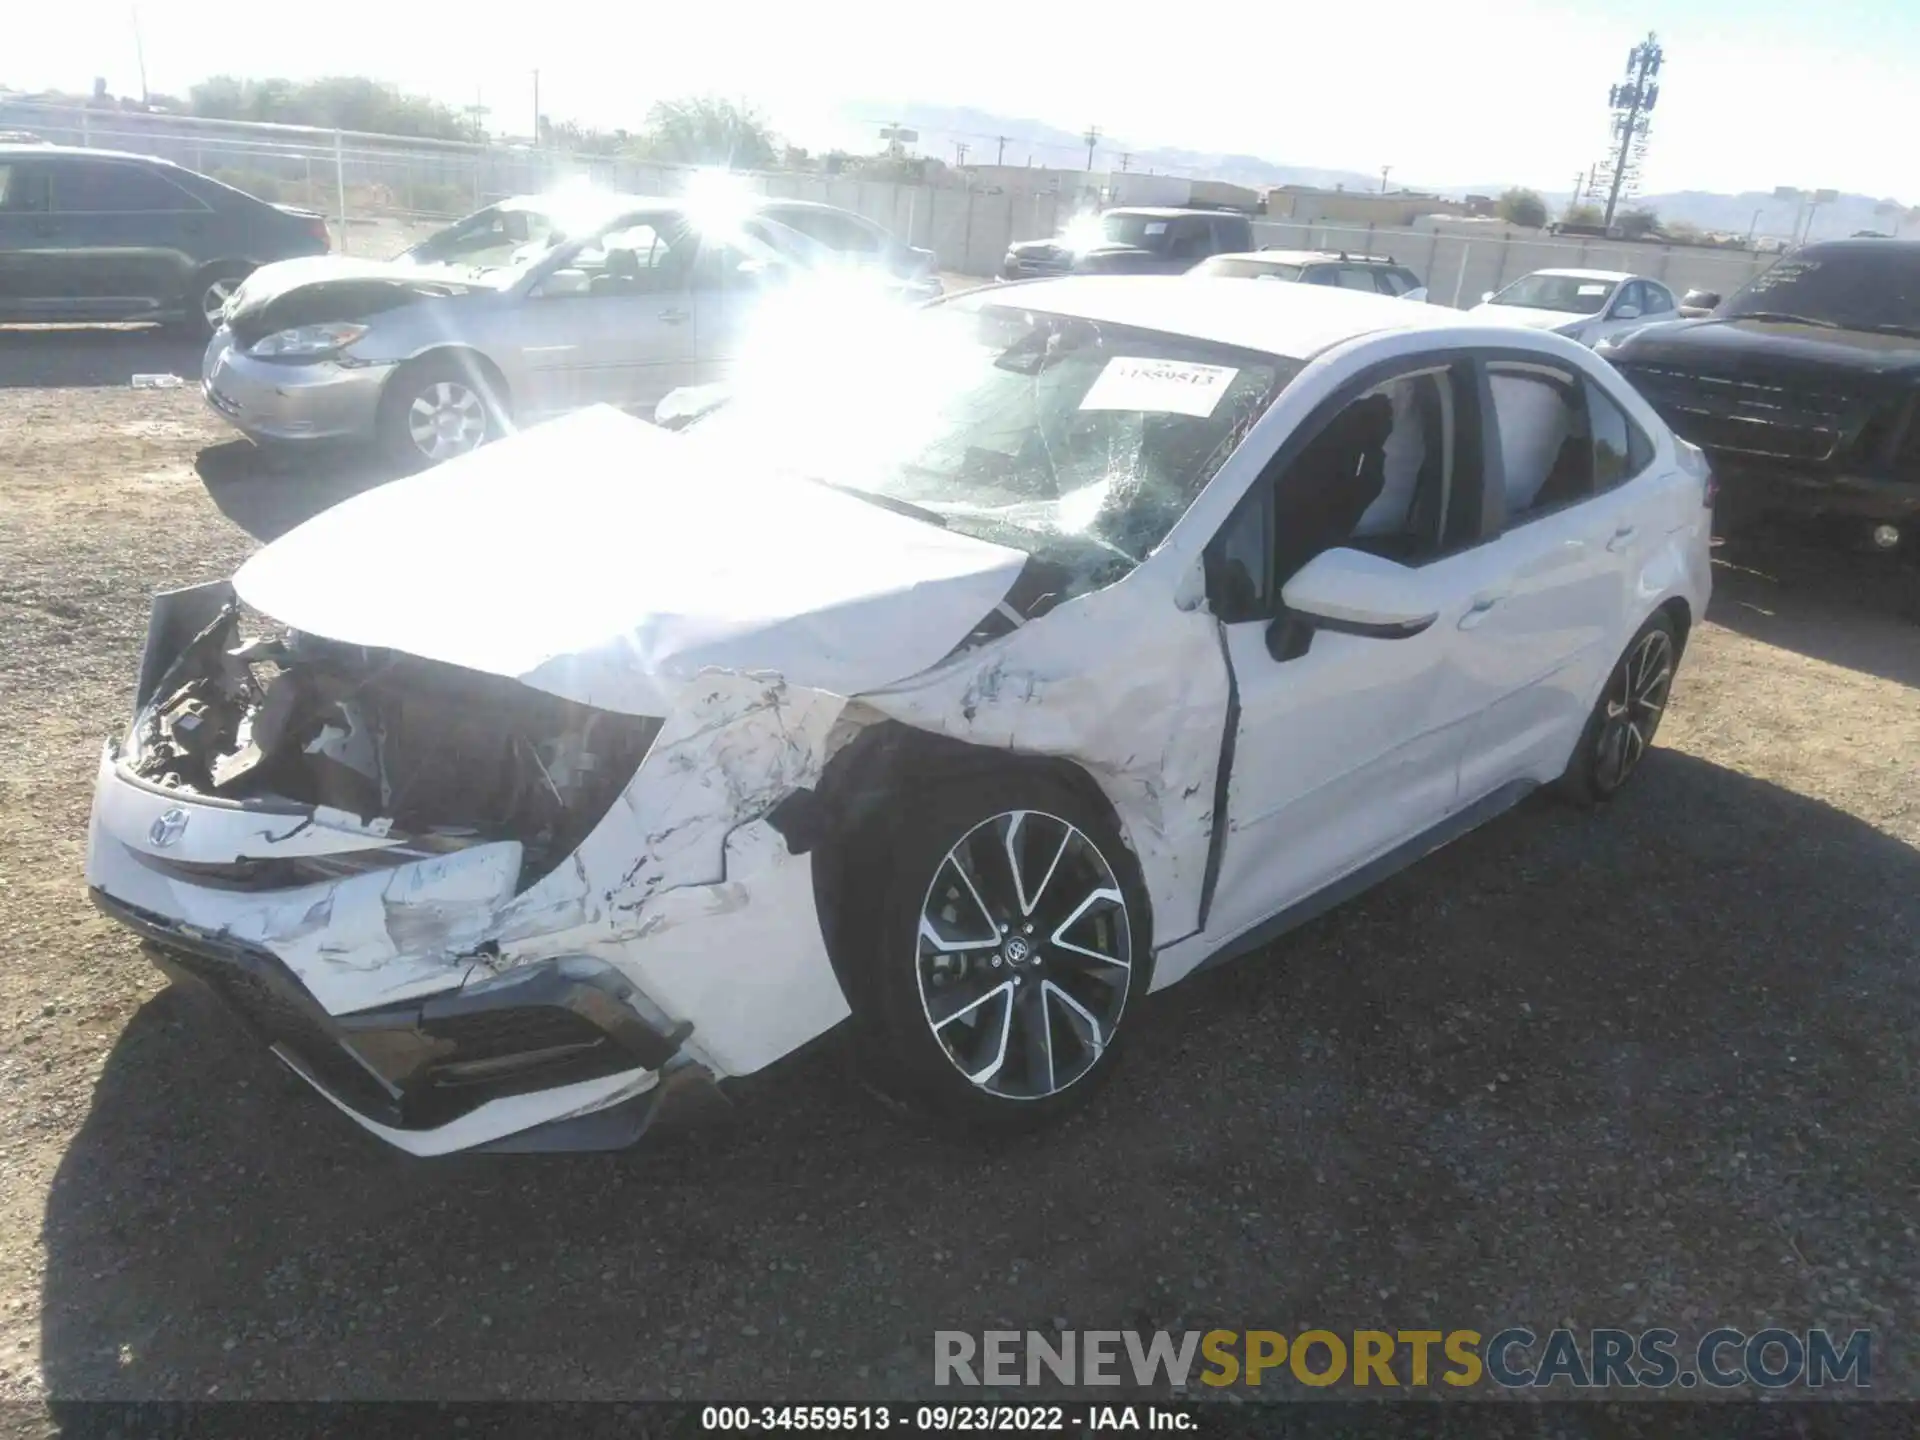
x=214, y=298
x=1011, y=941
x=1621, y=729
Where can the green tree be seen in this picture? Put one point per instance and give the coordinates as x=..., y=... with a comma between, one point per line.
x=1523, y=207
x=1638, y=223
x=344, y=102
x=1582, y=215
x=702, y=130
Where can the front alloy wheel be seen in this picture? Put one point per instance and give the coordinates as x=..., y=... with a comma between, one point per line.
x=1024, y=955
x=447, y=418
x=213, y=300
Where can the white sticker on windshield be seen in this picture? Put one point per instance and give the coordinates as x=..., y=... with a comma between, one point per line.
x=1159, y=387
x=1593, y=290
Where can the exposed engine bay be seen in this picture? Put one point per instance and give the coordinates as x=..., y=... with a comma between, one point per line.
x=438, y=753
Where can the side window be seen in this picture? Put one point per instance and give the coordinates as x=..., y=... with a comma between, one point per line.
x=1391, y=282
x=627, y=260
x=1358, y=277
x=1539, y=421
x=1188, y=240
x=1385, y=472
x=1659, y=299
x=1632, y=296
x=1321, y=275
x=1231, y=235
x=115, y=187
x=23, y=189
x=837, y=232
x=1621, y=449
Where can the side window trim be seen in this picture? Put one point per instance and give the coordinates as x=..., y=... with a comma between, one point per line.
x=1494, y=517
x=1471, y=452
x=189, y=202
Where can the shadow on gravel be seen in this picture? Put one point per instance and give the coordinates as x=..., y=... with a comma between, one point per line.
x=1647, y=1065
x=63, y=357
x=267, y=490
x=1808, y=590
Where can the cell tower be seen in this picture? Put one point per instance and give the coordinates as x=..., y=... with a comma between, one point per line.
x=1617, y=177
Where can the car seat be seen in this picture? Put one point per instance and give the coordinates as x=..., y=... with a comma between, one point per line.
x=1331, y=483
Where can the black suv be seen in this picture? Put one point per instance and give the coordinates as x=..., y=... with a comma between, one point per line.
x=1803, y=387
x=95, y=235
x=1134, y=241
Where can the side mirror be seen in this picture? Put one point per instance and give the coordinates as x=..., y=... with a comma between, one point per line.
x=1626, y=312
x=1485, y=295
x=1701, y=299
x=1360, y=594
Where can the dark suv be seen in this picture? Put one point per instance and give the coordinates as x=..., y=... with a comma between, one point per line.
x=1803, y=387
x=1136, y=241
x=94, y=235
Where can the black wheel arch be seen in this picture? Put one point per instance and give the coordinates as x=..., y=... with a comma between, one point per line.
x=493, y=383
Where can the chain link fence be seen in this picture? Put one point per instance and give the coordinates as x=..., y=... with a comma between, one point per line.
x=381, y=193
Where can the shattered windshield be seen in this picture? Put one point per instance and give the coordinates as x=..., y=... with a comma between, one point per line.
x=1078, y=442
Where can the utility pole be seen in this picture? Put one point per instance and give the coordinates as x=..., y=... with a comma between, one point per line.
x=1000, y=154
x=1385, y=170
x=1632, y=101
x=536, y=109
x=1125, y=160
x=1092, y=137
x=139, y=53
x=959, y=153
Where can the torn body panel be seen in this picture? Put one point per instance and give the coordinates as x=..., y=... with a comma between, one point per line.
x=1129, y=689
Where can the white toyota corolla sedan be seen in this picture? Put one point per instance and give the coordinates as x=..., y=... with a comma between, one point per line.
x=968, y=673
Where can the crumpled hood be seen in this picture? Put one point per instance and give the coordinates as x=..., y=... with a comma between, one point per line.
x=1767, y=344
x=1530, y=318
x=597, y=558
x=275, y=281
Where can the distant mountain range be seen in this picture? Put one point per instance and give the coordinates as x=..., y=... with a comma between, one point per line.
x=987, y=136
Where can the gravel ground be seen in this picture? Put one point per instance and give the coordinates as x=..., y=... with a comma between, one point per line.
x=1649, y=1065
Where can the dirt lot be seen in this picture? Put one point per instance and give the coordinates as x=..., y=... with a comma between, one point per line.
x=1651, y=1065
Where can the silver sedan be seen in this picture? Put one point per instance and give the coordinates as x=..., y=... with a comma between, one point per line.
x=619, y=302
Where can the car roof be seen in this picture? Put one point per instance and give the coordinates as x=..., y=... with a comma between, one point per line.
x=1296, y=321
x=1573, y=274
x=1162, y=212
x=1862, y=245
x=1309, y=257
x=36, y=150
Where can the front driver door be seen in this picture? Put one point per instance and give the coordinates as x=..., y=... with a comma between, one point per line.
x=611, y=321
x=1346, y=746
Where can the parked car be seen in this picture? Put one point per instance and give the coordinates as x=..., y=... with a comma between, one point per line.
x=95, y=235
x=991, y=666
x=1137, y=240
x=612, y=299
x=1803, y=386
x=533, y=223
x=1369, y=274
x=1584, y=305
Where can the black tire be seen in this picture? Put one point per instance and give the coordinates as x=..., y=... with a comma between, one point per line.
x=1625, y=718
x=927, y=1016
x=437, y=382
x=206, y=293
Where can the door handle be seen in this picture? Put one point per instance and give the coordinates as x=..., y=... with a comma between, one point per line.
x=1620, y=538
x=1481, y=608
x=674, y=317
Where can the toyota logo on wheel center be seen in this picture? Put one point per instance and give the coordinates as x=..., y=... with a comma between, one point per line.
x=1017, y=951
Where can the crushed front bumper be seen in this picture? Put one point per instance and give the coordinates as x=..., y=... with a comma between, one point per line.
x=323, y=400
x=553, y=1044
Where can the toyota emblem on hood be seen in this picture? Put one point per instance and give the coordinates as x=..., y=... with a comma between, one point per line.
x=171, y=825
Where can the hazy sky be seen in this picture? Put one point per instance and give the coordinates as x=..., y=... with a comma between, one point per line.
x=1757, y=93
